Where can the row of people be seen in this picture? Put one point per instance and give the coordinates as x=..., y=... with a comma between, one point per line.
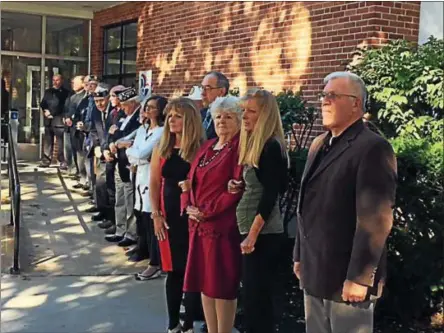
x=206, y=187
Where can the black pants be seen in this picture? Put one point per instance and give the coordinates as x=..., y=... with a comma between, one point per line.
x=147, y=243
x=258, y=269
x=48, y=144
x=174, y=294
x=101, y=190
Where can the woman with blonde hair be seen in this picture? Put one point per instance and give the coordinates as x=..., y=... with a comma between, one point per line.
x=181, y=139
x=263, y=155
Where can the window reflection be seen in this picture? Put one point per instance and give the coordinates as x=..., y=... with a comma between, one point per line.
x=66, y=37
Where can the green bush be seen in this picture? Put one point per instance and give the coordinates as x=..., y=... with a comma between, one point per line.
x=406, y=100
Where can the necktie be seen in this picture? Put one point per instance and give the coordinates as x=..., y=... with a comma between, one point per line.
x=207, y=120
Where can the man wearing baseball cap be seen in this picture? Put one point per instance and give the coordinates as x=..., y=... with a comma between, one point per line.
x=124, y=230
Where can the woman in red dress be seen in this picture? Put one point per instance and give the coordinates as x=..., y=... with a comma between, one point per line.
x=214, y=258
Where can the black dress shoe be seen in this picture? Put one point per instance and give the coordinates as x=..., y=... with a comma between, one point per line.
x=44, y=165
x=126, y=242
x=98, y=217
x=129, y=253
x=111, y=230
x=92, y=209
x=85, y=187
x=77, y=186
x=105, y=224
x=113, y=238
x=136, y=257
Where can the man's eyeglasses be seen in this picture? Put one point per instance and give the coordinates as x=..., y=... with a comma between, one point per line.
x=332, y=96
x=208, y=88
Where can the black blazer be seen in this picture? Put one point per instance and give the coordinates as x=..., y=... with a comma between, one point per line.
x=122, y=159
x=211, y=131
x=54, y=101
x=345, y=213
x=97, y=132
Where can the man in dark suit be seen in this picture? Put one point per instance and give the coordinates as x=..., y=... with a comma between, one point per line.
x=213, y=85
x=344, y=214
x=52, y=105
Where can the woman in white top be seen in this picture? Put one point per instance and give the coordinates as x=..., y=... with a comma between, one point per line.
x=139, y=155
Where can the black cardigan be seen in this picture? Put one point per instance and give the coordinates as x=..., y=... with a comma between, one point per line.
x=272, y=173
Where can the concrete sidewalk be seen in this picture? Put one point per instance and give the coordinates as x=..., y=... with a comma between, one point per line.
x=72, y=280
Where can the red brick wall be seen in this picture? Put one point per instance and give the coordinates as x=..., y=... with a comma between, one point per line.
x=276, y=45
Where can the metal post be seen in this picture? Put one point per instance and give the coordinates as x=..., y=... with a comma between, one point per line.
x=89, y=47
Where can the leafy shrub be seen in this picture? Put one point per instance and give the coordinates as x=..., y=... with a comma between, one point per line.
x=406, y=99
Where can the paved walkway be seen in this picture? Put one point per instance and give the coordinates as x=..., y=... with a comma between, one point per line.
x=72, y=279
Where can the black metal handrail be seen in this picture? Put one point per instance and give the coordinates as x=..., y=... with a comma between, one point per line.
x=15, y=197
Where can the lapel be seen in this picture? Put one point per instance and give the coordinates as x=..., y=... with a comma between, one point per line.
x=312, y=156
x=340, y=148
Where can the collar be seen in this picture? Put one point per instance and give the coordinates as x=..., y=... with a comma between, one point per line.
x=349, y=132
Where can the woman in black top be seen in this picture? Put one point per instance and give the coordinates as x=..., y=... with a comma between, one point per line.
x=265, y=162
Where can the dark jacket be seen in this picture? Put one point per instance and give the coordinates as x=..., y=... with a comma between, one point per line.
x=110, y=120
x=96, y=131
x=54, y=101
x=210, y=131
x=122, y=159
x=4, y=100
x=345, y=212
x=76, y=110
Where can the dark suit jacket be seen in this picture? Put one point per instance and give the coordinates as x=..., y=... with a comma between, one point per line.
x=345, y=213
x=108, y=123
x=54, y=101
x=97, y=131
x=122, y=159
x=210, y=131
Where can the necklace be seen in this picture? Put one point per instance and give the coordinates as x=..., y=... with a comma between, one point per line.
x=204, y=161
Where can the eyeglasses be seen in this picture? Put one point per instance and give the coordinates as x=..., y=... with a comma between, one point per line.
x=332, y=96
x=208, y=88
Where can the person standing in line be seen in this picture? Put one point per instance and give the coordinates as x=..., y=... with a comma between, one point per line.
x=214, y=259
x=345, y=214
x=139, y=155
x=72, y=102
x=264, y=158
x=123, y=230
x=52, y=105
x=214, y=84
x=181, y=139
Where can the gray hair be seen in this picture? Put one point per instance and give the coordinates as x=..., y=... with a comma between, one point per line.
x=229, y=104
x=356, y=81
x=222, y=80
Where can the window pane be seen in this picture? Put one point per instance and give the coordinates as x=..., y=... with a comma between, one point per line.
x=21, y=32
x=130, y=34
x=68, y=70
x=129, y=81
x=129, y=61
x=112, y=38
x=67, y=37
x=112, y=81
x=23, y=80
x=112, y=63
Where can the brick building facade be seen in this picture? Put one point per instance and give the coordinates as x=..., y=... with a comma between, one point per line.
x=275, y=45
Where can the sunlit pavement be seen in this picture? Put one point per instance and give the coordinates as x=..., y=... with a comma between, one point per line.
x=72, y=280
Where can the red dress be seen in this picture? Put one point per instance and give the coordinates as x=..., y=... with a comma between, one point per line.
x=214, y=257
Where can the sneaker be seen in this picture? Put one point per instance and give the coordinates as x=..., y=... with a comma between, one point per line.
x=63, y=166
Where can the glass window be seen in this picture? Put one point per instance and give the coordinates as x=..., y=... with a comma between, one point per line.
x=67, y=37
x=130, y=35
x=21, y=32
x=113, y=38
x=67, y=68
x=120, y=53
x=23, y=80
x=129, y=61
